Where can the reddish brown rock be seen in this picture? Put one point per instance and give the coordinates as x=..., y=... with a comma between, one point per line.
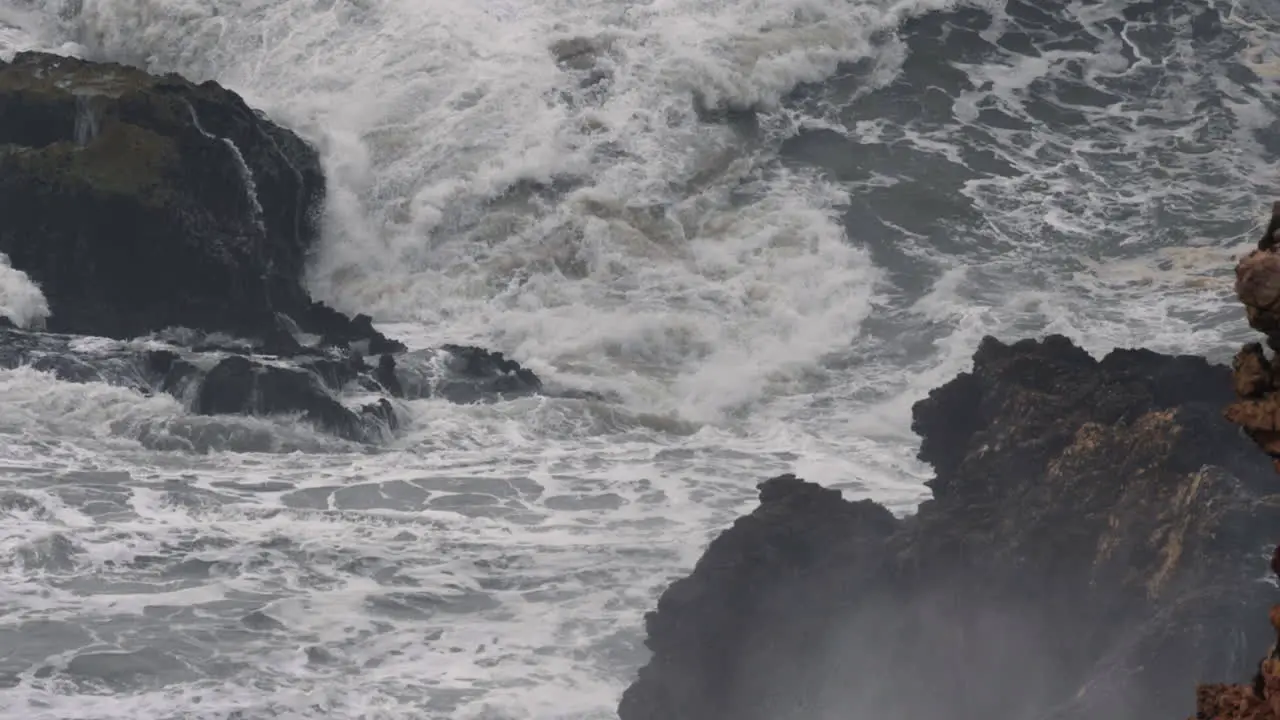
x=1220, y=700
x=1253, y=372
x=1258, y=284
x=1257, y=411
x=1259, y=700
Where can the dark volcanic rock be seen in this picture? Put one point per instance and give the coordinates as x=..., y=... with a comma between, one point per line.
x=152, y=206
x=1092, y=550
x=481, y=373
x=238, y=385
x=707, y=632
x=464, y=374
x=242, y=386
x=139, y=202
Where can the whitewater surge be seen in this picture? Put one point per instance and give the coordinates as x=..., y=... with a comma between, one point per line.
x=20, y=299
x=760, y=230
x=483, y=190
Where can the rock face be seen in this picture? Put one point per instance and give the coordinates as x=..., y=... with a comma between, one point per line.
x=147, y=205
x=139, y=202
x=1257, y=410
x=1257, y=407
x=1091, y=550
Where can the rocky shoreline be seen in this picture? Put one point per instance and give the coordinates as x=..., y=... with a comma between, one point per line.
x=175, y=222
x=1096, y=547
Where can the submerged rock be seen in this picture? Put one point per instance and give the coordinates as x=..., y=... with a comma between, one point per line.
x=329, y=388
x=1091, y=550
x=238, y=385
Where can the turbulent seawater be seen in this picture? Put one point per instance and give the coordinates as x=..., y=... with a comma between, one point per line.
x=761, y=228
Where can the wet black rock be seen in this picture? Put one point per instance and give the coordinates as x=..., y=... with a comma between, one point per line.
x=140, y=202
x=328, y=387
x=151, y=206
x=479, y=374
x=238, y=385
x=1092, y=548
x=385, y=375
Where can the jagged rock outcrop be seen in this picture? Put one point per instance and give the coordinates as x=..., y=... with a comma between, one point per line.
x=1257, y=407
x=139, y=202
x=146, y=205
x=1092, y=549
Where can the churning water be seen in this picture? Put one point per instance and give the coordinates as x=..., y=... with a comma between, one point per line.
x=760, y=228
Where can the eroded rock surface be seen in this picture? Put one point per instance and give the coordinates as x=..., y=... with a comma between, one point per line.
x=1092, y=550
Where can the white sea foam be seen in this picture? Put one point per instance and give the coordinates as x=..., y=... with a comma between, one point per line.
x=20, y=299
x=428, y=112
